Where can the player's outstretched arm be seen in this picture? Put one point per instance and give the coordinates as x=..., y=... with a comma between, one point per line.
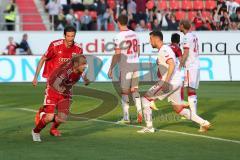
x=39, y=67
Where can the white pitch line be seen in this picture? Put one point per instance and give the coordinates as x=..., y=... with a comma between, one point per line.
x=137, y=126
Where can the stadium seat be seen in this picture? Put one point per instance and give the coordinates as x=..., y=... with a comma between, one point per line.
x=93, y=14
x=207, y=14
x=187, y=5
x=191, y=15
x=198, y=5
x=150, y=4
x=238, y=1
x=180, y=15
x=210, y=4
x=79, y=14
x=174, y=5
x=162, y=5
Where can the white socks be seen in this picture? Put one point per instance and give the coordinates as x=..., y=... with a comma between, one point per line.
x=125, y=106
x=147, y=111
x=137, y=101
x=192, y=116
x=192, y=100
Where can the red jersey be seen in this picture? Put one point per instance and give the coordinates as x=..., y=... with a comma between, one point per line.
x=57, y=54
x=12, y=48
x=176, y=49
x=63, y=78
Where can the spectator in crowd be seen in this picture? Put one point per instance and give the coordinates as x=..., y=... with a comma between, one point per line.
x=61, y=21
x=235, y=17
x=65, y=5
x=198, y=21
x=89, y=4
x=10, y=15
x=225, y=21
x=101, y=8
x=156, y=25
x=172, y=22
x=142, y=26
x=24, y=46
x=132, y=7
x=54, y=8
x=231, y=6
x=77, y=5
x=71, y=19
x=86, y=20
x=11, y=47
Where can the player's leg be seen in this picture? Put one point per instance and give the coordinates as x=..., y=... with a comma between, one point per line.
x=63, y=107
x=192, y=83
x=152, y=94
x=125, y=83
x=179, y=108
x=39, y=114
x=136, y=96
x=45, y=119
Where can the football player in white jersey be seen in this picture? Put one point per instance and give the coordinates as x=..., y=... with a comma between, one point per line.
x=127, y=56
x=190, y=62
x=168, y=87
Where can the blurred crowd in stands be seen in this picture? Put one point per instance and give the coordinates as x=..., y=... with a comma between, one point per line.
x=144, y=14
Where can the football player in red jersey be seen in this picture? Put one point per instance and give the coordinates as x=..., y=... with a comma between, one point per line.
x=58, y=93
x=59, y=51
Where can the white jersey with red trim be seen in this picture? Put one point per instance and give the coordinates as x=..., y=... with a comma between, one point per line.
x=190, y=41
x=128, y=42
x=166, y=53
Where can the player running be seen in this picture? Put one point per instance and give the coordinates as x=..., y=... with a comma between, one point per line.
x=175, y=41
x=127, y=56
x=59, y=52
x=58, y=93
x=168, y=87
x=191, y=64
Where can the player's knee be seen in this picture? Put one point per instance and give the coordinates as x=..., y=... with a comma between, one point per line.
x=132, y=90
x=135, y=94
x=178, y=108
x=125, y=91
x=49, y=118
x=191, y=91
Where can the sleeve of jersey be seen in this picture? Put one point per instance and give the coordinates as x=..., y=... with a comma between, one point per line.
x=50, y=52
x=167, y=56
x=179, y=52
x=186, y=43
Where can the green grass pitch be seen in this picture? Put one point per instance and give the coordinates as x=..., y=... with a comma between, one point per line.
x=219, y=102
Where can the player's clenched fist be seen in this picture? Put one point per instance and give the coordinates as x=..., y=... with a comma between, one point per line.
x=110, y=73
x=35, y=81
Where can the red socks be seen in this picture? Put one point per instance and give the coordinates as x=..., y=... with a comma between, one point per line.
x=40, y=125
x=55, y=124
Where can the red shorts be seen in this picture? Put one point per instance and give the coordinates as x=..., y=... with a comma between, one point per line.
x=52, y=99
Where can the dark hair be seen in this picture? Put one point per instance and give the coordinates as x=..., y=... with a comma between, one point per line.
x=123, y=20
x=175, y=38
x=157, y=34
x=69, y=29
x=238, y=9
x=186, y=24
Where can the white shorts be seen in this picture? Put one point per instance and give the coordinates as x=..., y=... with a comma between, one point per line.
x=192, y=77
x=174, y=94
x=129, y=80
